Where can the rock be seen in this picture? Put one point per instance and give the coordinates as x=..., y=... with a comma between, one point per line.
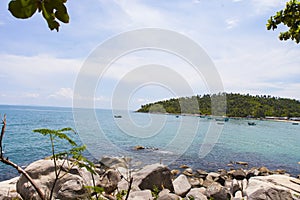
x=201, y=174
x=166, y=195
x=155, y=175
x=181, y=185
x=239, y=174
x=140, y=195
x=272, y=187
x=138, y=147
x=184, y=166
x=115, y=162
x=175, y=172
x=280, y=171
x=109, y=181
x=234, y=186
x=196, y=194
x=188, y=172
x=242, y=163
x=8, y=189
x=217, y=192
x=263, y=171
x=194, y=182
x=70, y=186
x=252, y=173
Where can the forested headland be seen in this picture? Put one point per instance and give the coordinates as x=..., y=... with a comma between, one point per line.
x=237, y=105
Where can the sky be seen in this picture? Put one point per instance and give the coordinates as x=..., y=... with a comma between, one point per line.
x=40, y=67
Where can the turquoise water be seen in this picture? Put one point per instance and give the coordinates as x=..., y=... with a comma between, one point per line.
x=176, y=140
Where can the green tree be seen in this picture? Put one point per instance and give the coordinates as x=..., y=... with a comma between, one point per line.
x=53, y=11
x=290, y=17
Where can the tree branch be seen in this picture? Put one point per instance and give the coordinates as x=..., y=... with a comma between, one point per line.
x=18, y=168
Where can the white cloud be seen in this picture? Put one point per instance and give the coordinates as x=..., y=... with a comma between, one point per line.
x=231, y=23
x=262, y=6
x=63, y=93
x=32, y=95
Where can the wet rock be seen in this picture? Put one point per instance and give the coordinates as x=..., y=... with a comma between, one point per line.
x=196, y=194
x=217, y=192
x=188, y=172
x=140, y=195
x=138, y=147
x=181, y=185
x=242, y=163
x=184, y=166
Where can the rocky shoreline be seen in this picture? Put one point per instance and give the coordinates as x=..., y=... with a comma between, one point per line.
x=155, y=181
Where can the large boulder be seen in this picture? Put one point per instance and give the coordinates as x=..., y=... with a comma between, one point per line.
x=70, y=185
x=8, y=189
x=217, y=192
x=272, y=187
x=151, y=176
x=181, y=185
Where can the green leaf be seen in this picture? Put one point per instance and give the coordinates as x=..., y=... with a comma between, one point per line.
x=22, y=9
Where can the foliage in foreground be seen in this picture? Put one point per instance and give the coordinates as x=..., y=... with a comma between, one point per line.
x=290, y=17
x=53, y=11
x=238, y=105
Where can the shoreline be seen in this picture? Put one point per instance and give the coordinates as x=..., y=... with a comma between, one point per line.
x=157, y=181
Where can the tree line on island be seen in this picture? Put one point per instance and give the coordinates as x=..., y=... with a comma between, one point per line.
x=237, y=105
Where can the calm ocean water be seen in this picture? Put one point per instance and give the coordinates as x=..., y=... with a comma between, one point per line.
x=271, y=144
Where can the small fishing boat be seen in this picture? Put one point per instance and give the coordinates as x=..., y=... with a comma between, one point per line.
x=251, y=123
x=117, y=116
x=295, y=123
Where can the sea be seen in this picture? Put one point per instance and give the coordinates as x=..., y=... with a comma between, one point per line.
x=173, y=140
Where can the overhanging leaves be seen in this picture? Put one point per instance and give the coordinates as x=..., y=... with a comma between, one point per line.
x=53, y=11
x=290, y=17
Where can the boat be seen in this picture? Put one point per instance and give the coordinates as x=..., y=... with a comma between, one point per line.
x=224, y=119
x=295, y=123
x=251, y=123
x=117, y=116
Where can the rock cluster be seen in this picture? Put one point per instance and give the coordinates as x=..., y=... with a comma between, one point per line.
x=159, y=182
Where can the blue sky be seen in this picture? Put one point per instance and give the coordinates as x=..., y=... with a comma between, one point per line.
x=39, y=67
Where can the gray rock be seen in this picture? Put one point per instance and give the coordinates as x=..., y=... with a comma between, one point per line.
x=155, y=175
x=196, y=193
x=140, y=195
x=8, y=188
x=166, y=195
x=195, y=182
x=234, y=186
x=252, y=173
x=109, y=181
x=181, y=185
x=217, y=192
x=70, y=186
x=115, y=162
x=239, y=174
x=201, y=174
x=270, y=187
